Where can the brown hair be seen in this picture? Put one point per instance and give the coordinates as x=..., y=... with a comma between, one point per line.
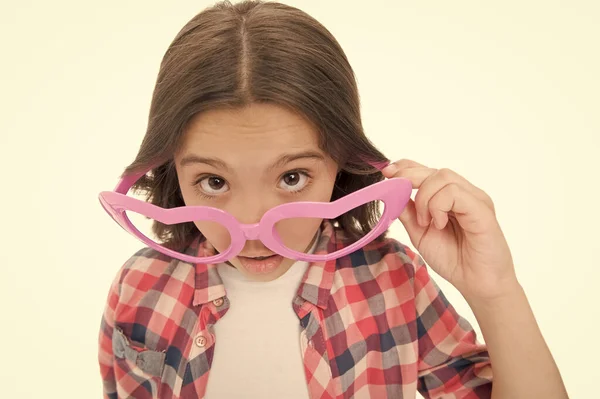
x=254, y=51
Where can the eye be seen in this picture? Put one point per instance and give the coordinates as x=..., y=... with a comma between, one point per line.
x=213, y=185
x=294, y=181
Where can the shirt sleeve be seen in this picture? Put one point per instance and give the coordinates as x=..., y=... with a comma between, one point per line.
x=105, y=349
x=452, y=363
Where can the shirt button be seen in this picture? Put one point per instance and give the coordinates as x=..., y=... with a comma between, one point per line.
x=218, y=302
x=200, y=341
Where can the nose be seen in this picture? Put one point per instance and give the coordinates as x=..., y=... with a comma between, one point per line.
x=250, y=231
x=249, y=212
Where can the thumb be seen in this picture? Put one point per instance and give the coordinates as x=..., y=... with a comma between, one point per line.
x=389, y=171
x=408, y=218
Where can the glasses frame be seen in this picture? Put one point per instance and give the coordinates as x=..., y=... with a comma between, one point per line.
x=394, y=193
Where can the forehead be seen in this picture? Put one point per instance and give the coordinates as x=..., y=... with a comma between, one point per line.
x=258, y=129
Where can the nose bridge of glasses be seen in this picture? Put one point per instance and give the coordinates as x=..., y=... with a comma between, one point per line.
x=251, y=231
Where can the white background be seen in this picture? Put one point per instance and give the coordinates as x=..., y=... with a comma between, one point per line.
x=504, y=94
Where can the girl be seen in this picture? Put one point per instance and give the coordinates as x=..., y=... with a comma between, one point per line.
x=255, y=106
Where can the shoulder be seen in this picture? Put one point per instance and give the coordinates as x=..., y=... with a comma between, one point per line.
x=391, y=252
x=142, y=270
x=383, y=256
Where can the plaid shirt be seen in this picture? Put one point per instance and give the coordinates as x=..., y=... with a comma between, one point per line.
x=374, y=325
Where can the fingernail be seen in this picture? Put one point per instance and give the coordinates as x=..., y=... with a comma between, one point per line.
x=391, y=169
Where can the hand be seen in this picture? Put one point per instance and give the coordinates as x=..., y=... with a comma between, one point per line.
x=453, y=226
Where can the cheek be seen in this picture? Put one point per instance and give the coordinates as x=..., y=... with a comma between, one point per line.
x=324, y=189
x=298, y=233
x=217, y=235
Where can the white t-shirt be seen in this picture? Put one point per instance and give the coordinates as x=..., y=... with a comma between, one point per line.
x=257, y=349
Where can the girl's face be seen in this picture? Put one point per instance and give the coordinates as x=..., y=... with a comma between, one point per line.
x=246, y=162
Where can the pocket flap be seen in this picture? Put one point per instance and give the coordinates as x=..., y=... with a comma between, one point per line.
x=149, y=361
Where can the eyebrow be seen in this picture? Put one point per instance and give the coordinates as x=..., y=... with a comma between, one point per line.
x=281, y=161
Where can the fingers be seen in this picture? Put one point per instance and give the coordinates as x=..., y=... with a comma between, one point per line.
x=472, y=214
x=417, y=175
x=429, y=181
x=443, y=177
x=409, y=219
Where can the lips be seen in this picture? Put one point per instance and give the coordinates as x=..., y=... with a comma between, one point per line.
x=257, y=257
x=261, y=264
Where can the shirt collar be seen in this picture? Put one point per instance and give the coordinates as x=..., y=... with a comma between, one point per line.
x=314, y=288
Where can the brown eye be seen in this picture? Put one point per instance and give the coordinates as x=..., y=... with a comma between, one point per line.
x=294, y=181
x=291, y=179
x=213, y=185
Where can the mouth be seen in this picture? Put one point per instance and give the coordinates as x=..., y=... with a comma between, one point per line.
x=261, y=264
x=257, y=257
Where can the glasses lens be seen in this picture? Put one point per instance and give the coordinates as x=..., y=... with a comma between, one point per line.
x=297, y=233
x=172, y=235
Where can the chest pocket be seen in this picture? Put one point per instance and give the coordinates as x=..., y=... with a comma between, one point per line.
x=138, y=369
